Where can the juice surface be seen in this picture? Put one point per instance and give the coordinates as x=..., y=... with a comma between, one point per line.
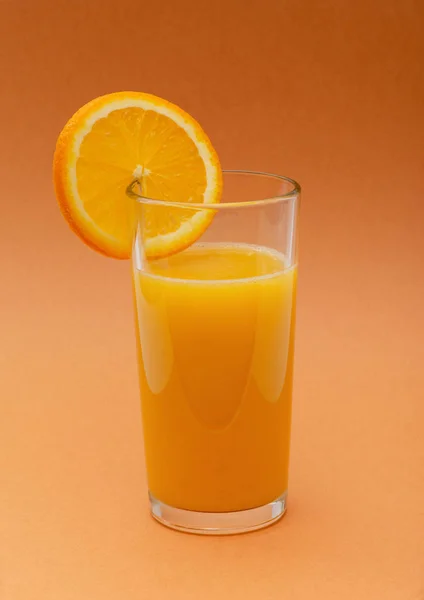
x=216, y=333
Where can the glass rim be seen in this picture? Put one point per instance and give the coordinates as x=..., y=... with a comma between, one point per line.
x=292, y=194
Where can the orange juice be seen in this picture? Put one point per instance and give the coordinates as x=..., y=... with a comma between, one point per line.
x=216, y=334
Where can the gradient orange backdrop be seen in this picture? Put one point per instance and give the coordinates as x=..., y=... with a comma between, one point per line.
x=329, y=92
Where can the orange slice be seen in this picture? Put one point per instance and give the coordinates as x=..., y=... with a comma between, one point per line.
x=120, y=137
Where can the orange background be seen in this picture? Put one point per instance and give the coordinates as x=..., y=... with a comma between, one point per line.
x=329, y=92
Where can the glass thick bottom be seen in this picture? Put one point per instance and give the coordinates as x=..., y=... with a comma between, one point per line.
x=222, y=523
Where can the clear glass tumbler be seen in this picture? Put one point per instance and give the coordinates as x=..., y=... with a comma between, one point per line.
x=215, y=333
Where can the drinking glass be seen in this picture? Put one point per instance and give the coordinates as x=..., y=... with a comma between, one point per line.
x=215, y=338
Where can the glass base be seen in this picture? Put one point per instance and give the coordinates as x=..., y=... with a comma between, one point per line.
x=222, y=523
